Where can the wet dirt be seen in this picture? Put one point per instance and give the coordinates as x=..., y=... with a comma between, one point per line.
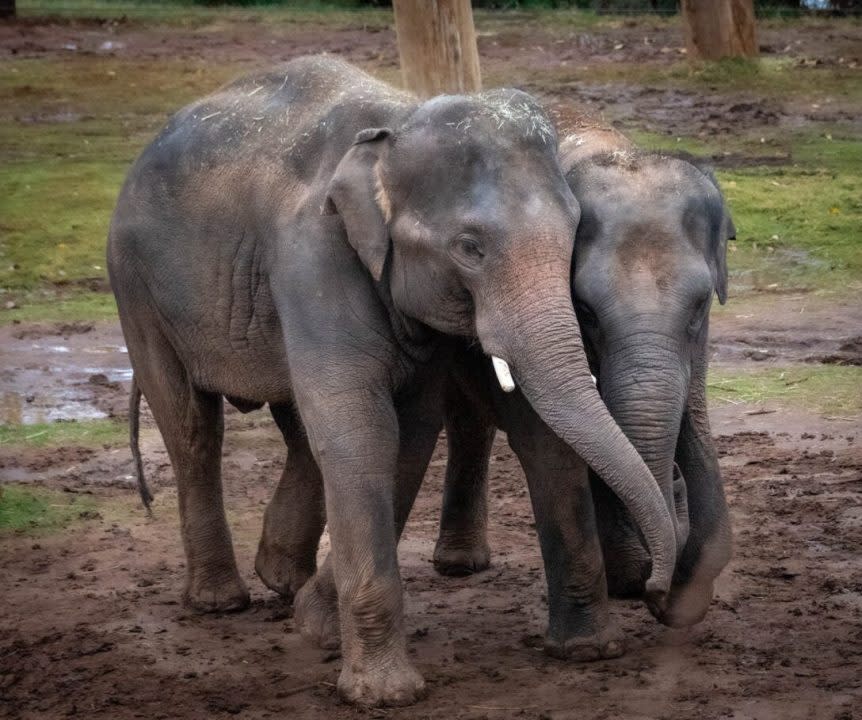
x=65, y=371
x=104, y=634
x=783, y=328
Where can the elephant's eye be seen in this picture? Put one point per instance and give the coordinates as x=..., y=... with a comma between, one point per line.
x=467, y=250
x=586, y=316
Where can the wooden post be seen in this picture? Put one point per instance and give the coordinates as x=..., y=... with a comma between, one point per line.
x=716, y=29
x=7, y=8
x=437, y=46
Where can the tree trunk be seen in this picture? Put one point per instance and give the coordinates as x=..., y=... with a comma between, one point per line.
x=7, y=8
x=437, y=45
x=716, y=29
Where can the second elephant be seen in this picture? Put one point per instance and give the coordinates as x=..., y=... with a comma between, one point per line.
x=649, y=255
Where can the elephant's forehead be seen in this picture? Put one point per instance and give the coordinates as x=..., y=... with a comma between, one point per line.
x=631, y=179
x=494, y=114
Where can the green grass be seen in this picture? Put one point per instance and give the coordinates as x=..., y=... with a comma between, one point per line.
x=83, y=433
x=184, y=12
x=66, y=239
x=828, y=389
x=60, y=306
x=796, y=228
x=32, y=509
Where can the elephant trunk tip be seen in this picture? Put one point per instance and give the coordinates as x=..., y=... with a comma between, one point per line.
x=656, y=596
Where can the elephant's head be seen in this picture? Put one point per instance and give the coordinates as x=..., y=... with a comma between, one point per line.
x=463, y=215
x=650, y=254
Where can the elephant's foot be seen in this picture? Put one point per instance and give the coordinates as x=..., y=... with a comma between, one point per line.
x=227, y=594
x=279, y=572
x=315, y=612
x=604, y=645
x=395, y=683
x=456, y=557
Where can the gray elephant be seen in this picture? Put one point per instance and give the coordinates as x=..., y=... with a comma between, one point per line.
x=650, y=252
x=313, y=239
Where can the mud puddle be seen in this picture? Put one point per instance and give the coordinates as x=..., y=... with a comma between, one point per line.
x=61, y=372
x=80, y=371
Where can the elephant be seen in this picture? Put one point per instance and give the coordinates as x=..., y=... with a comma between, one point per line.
x=312, y=238
x=650, y=252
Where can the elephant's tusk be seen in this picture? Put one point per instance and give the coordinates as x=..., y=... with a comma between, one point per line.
x=504, y=375
x=595, y=382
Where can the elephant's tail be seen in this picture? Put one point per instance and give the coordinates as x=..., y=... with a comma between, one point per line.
x=134, y=444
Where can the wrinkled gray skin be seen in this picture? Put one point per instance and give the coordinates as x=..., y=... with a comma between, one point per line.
x=312, y=239
x=650, y=252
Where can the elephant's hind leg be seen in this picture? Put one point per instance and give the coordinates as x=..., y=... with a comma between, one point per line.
x=462, y=544
x=295, y=517
x=191, y=424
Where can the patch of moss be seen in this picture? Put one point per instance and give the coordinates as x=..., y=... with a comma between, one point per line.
x=828, y=389
x=26, y=508
x=53, y=306
x=85, y=433
x=795, y=228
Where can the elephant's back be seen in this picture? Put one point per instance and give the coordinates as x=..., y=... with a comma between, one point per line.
x=284, y=124
x=260, y=147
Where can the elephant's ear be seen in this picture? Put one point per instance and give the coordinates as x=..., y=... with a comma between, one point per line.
x=355, y=193
x=718, y=246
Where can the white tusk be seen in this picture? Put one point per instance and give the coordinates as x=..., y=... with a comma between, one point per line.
x=595, y=382
x=504, y=375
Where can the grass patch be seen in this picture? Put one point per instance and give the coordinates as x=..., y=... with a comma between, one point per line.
x=51, y=306
x=781, y=79
x=187, y=13
x=795, y=228
x=829, y=389
x=765, y=77
x=84, y=433
x=55, y=220
x=25, y=508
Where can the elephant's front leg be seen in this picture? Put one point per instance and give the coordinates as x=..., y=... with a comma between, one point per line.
x=354, y=434
x=579, y=625
x=419, y=420
x=462, y=545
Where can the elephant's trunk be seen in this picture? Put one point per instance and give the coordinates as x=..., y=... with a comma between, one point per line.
x=645, y=385
x=538, y=335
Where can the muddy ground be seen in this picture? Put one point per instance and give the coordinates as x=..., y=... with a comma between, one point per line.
x=91, y=624
x=555, y=62
x=90, y=620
